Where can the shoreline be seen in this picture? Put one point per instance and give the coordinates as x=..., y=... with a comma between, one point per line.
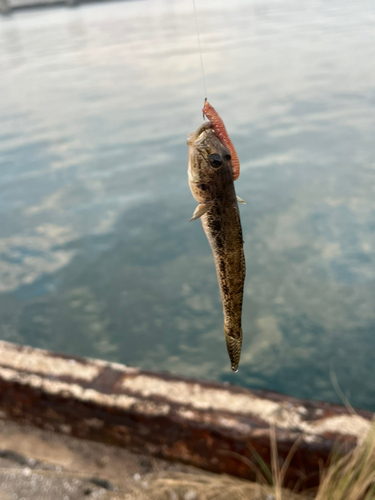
x=209, y=425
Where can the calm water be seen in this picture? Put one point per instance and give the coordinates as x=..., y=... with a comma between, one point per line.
x=97, y=257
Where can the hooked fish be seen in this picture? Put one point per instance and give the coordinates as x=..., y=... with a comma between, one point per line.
x=210, y=175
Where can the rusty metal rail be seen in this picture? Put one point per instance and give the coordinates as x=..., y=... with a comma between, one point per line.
x=7, y=6
x=213, y=426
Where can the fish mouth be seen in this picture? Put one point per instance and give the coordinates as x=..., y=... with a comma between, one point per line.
x=199, y=134
x=191, y=138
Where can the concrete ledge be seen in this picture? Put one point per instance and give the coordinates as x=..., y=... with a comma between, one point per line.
x=213, y=426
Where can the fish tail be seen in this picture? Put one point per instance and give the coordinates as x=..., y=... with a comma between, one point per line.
x=234, y=344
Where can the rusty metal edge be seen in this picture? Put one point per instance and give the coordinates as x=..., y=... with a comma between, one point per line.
x=146, y=411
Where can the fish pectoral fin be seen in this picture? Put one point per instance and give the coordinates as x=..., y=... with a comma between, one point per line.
x=241, y=200
x=200, y=210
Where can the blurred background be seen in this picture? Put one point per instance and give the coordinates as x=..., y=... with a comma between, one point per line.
x=97, y=257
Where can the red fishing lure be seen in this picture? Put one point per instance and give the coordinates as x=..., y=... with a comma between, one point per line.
x=222, y=134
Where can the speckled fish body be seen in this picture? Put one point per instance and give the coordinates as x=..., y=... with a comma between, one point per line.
x=211, y=183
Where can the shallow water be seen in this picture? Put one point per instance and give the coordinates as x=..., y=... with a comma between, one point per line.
x=97, y=256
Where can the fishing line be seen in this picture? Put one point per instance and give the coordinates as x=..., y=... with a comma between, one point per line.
x=200, y=50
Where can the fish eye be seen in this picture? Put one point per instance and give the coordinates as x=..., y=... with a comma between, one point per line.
x=215, y=160
x=227, y=157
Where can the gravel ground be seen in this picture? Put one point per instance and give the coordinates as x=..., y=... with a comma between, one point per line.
x=41, y=465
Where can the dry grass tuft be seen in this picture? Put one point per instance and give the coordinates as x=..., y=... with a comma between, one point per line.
x=183, y=486
x=353, y=476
